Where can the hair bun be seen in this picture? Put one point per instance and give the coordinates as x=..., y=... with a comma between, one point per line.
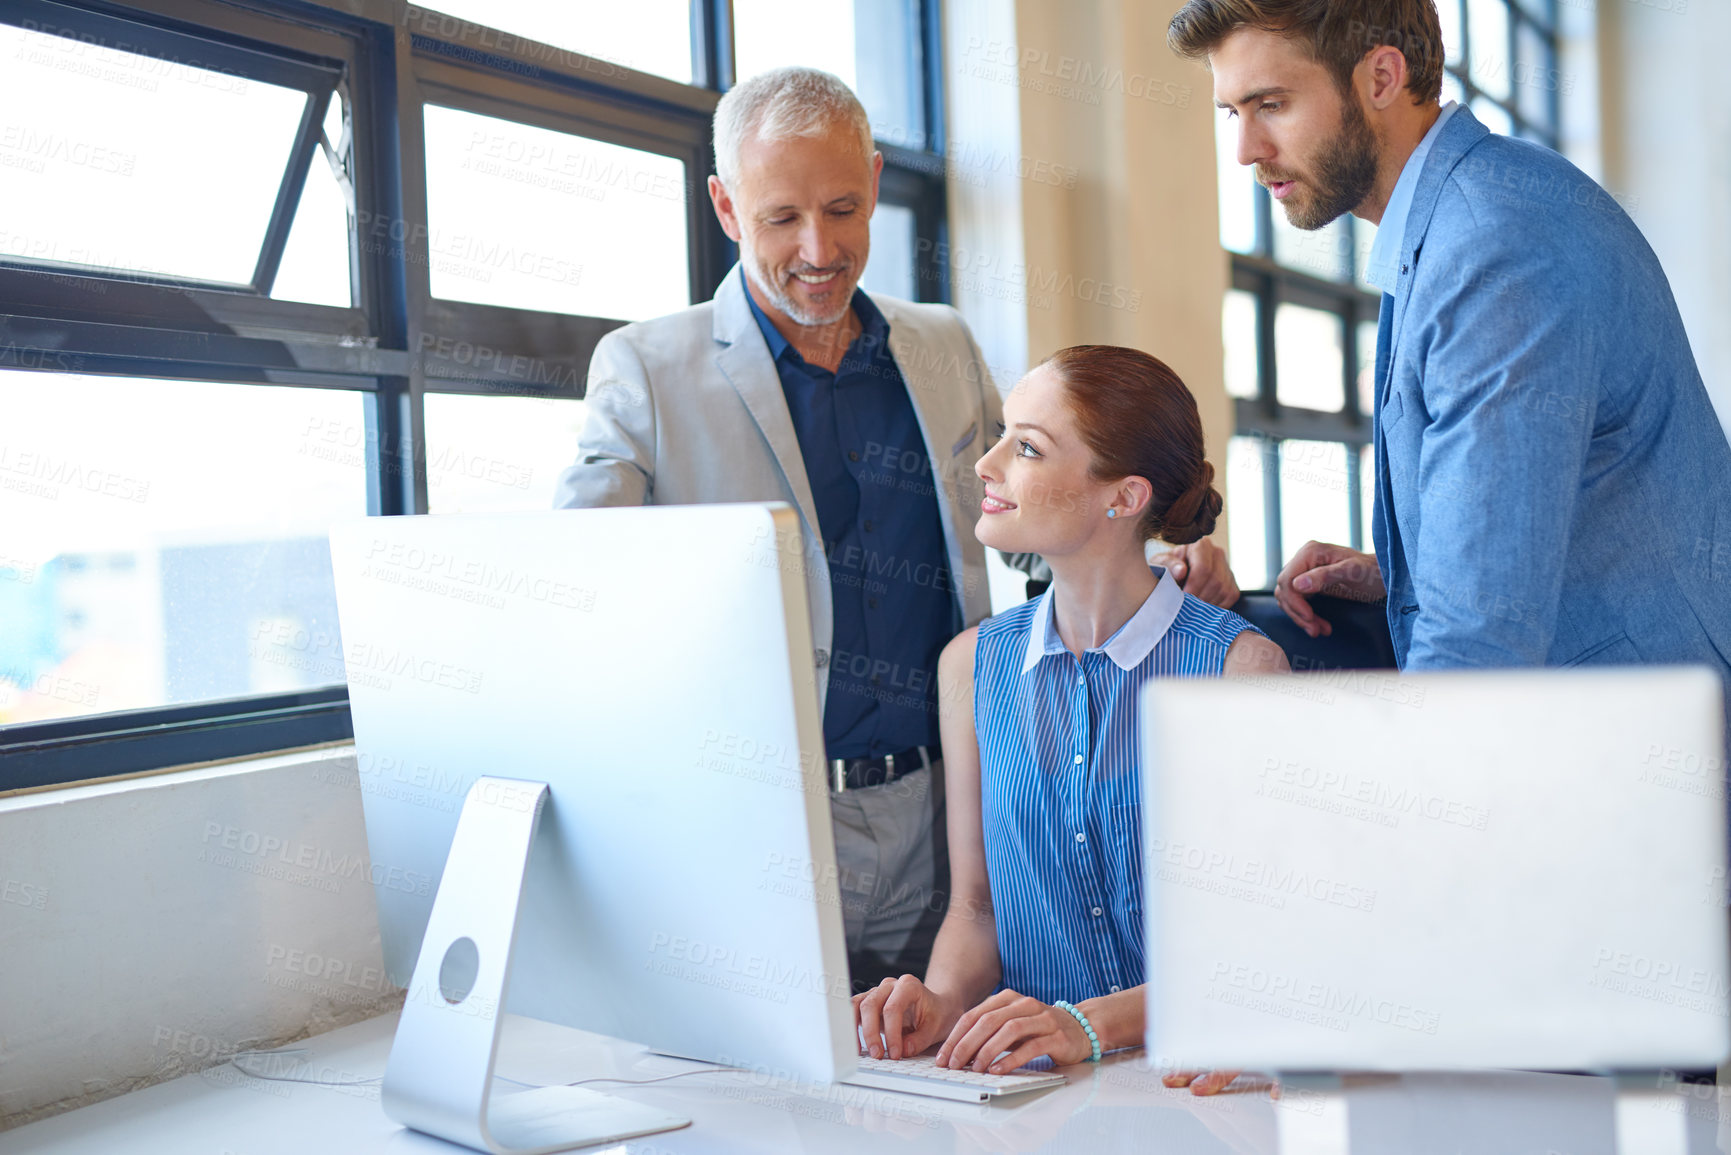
x=1191, y=517
x=1138, y=419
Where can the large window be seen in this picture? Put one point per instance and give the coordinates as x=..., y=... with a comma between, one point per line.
x=1299, y=321
x=263, y=269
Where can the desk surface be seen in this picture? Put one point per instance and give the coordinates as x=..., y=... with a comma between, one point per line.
x=1118, y=1106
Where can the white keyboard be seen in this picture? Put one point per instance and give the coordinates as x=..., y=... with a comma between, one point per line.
x=919, y=1076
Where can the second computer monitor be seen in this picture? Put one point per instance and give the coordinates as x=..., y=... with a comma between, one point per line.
x=1361, y=871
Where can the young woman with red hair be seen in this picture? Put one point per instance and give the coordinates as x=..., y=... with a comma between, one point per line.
x=1041, y=951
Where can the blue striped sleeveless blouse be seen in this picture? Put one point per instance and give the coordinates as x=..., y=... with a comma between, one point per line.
x=1061, y=789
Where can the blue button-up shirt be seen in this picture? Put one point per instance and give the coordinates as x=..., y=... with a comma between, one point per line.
x=877, y=507
x=1382, y=268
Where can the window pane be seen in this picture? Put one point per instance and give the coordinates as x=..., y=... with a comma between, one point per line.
x=1363, y=240
x=1313, y=494
x=646, y=35
x=1449, y=12
x=165, y=541
x=1238, y=324
x=1536, y=76
x=1493, y=116
x=874, y=46
x=1324, y=252
x=1452, y=89
x=495, y=454
x=528, y=218
x=1312, y=358
x=315, y=262
x=120, y=161
x=891, y=268
x=1367, y=367
x=1237, y=189
x=1489, y=33
x=1246, y=513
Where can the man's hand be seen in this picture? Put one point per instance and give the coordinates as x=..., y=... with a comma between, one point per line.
x=1334, y=570
x=1201, y=571
x=1199, y=1082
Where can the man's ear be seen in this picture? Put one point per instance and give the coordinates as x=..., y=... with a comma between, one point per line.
x=723, y=202
x=1384, y=74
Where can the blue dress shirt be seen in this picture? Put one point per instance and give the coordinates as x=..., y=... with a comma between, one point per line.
x=1382, y=268
x=877, y=507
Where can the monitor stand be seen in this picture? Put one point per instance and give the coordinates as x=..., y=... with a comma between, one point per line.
x=440, y=1074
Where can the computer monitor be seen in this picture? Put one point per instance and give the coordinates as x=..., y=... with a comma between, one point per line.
x=653, y=667
x=1361, y=871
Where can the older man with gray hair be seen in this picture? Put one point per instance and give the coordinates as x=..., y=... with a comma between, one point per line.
x=867, y=416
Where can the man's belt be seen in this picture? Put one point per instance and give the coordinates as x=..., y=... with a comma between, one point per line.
x=860, y=773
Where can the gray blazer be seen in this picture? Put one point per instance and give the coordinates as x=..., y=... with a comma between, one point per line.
x=688, y=409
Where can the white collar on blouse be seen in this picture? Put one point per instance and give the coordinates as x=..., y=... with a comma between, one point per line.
x=1133, y=642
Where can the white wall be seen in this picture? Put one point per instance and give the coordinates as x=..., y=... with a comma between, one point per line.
x=986, y=169
x=155, y=926
x=1083, y=205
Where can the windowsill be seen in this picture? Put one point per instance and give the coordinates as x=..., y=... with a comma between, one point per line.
x=167, y=775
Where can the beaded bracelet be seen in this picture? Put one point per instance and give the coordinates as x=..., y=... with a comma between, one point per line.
x=1093, y=1039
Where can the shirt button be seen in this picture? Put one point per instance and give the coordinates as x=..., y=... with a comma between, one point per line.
x=1081, y=679
x=1097, y=913
x=1080, y=837
x=1078, y=759
x=853, y=455
x=871, y=603
x=1116, y=989
x=868, y=525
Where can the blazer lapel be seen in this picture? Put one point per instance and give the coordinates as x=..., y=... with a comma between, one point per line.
x=953, y=436
x=1456, y=139
x=923, y=389
x=744, y=360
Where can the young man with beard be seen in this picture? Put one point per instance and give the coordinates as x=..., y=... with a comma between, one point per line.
x=1553, y=487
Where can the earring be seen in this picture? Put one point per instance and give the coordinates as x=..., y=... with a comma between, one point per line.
x=1111, y=513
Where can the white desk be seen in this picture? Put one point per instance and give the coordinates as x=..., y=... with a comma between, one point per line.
x=1115, y=1107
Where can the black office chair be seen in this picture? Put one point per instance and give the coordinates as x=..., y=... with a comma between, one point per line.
x=1360, y=640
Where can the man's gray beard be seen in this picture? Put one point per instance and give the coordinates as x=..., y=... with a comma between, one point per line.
x=781, y=300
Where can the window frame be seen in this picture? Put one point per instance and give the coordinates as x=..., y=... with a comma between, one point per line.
x=1545, y=26
x=1263, y=417
x=168, y=327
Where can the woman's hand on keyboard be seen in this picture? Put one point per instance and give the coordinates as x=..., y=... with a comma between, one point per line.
x=1023, y=1026
x=900, y=1018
